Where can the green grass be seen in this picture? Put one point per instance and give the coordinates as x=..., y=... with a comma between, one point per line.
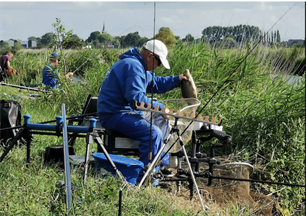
x=262, y=112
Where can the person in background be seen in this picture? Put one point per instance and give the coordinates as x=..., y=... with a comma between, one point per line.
x=127, y=81
x=5, y=65
x=50, y=73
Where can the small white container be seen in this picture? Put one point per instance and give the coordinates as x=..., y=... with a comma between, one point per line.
x=197, y=125
x=172, y=161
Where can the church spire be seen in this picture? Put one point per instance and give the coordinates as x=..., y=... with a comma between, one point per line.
x=103, y=30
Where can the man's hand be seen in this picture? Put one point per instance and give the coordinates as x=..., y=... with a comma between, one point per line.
x=182, y=77
x=69, y=74
x=166, y=116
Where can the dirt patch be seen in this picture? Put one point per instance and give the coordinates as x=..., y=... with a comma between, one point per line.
x=222, y=194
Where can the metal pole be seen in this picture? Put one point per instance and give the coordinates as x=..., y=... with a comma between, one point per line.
x=66, y=160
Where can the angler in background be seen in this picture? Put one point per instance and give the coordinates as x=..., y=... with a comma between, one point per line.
x=127, y=81
x=50, y=73
x=5, y=65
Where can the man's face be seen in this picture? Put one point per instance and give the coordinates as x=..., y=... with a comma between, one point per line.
x=56, y=62
x=153, y=61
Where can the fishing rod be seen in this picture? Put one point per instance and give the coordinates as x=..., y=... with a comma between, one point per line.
x=81, y=65
x=20, y=87
x=152, y=88
x=201, y=110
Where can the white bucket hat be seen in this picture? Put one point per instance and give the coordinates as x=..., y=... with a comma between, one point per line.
x=159, y=49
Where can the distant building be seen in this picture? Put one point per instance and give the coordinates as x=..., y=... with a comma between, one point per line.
x=24, y=44
x=103, y=30
x=111, y=46
x=87, y=47
x=295, y=42
x=10, y=42
x=31, y=43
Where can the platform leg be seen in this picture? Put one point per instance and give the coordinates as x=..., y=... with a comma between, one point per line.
x=99, y=141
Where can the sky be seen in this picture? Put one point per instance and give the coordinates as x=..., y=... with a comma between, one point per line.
x=22, y=19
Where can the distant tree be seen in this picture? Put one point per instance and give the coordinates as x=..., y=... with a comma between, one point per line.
x=73, y=43
x=105, y=38
x=229, y=42
x=32, y=38
x=5, y=48
x=47, y=38
x=116, y=41
x=17, y=46
x=96, y=43
x=74, y=36
x=278, y=38
x=60, y=33
x=239, y=33
x=166, y=36
x=132, y=39
x=178, y=38
x=141, y=41
x=93, y=36
x=122, y=39
x=189, y=38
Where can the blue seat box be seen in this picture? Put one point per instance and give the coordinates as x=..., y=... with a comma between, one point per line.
x=129, y=167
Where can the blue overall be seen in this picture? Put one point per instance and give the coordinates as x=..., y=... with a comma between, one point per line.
x=125, y=82
x=50, y=75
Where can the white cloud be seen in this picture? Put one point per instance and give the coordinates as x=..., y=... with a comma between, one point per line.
x=180, y=11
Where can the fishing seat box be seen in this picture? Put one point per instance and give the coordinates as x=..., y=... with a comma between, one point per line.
x=118, y=143
x=114, y=142
x=129, y=167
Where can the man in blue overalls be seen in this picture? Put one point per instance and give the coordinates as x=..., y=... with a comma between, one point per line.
x=127, y=81
x=50, y=74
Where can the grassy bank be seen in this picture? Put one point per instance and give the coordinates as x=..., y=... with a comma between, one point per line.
x=262, y=112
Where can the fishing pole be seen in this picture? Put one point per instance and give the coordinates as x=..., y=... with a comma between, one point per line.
x=20, y=87
x=81, y=65
x=152, y=88
x=201, y=110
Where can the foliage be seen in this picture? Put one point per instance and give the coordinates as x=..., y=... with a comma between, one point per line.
x=166, y=36
x=105, y=38
x=131, y=40
x=73, y=43
x=17, y=46
x=48, y=38
x=5, y=48
x=189, y=38
x=240, y=33
x=61, y=36
x=93, y=36
x=264, y=114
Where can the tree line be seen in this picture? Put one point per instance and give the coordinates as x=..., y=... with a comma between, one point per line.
x=239, y=34
x=229, y=36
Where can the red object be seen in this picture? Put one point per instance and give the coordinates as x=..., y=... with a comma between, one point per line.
x=10, y=71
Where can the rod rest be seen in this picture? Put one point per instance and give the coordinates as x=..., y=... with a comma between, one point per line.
x=58, y=126
x=220, y=135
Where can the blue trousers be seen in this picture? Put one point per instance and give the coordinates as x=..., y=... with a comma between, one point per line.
x=138, y=128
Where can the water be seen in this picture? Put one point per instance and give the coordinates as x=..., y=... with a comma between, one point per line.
x=298, y=80
x=295, y=79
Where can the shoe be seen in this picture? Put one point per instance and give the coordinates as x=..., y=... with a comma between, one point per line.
x=167, y=173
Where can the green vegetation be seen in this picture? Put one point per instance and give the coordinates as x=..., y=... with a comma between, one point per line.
x=264, y=114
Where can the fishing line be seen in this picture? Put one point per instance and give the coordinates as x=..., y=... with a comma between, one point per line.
x=228, y=79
